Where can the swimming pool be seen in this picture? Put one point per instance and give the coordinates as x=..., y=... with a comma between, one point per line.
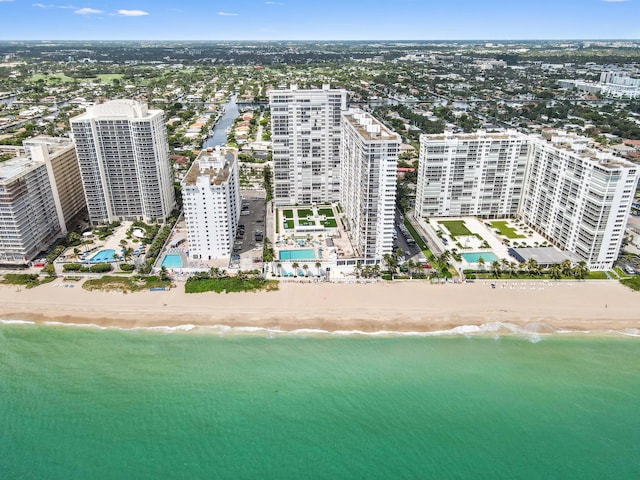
x=172, y=260
x=474, y=257
x=103, y=256
x=304, y=254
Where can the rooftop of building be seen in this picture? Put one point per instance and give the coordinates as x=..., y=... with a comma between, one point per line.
x=214, y=163
x=369, y=127
x=118, y=109
x=53, y=144
x=14, y=168
x=479, y=134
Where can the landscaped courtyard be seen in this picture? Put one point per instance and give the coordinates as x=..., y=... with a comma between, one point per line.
x=305, y=219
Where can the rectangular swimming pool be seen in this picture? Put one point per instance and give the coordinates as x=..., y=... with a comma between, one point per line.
x=103, y=256
x=303, y=254
x=474, y=257
x=172, y=260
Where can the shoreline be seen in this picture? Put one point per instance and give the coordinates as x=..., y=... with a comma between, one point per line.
x=397, y=308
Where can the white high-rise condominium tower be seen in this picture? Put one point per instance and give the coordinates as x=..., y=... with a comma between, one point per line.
x=369, y=163
x=211, y=199
x=124, y=162
x=29, y=222
x=579, y=197
x=305, y=126
x=574, y=193
x=479, y=174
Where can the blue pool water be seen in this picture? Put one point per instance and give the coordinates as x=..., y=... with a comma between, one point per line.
x=172, y=260
x=304, y=254
x=473, y=257
x=103, y=256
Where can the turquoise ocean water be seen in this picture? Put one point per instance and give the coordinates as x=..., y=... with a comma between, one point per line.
x=81, y=403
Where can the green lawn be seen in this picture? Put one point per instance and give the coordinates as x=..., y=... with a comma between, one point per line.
x=287, y=213
x=632, y=282
x=418, y=239
x=229, y=284
x=506, y=230
x=457, y=228
x=289, y=224
x=327, y=212
x=330, y=223
x=54, y=78
x=304, y=213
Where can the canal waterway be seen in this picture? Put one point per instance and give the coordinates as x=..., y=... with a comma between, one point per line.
x=219, y=136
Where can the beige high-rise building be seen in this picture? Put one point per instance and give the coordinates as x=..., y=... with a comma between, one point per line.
x=59, y=156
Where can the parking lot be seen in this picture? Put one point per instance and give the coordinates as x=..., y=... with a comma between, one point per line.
x=247, y=249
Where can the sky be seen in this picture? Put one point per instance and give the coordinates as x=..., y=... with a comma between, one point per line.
x=319, y=19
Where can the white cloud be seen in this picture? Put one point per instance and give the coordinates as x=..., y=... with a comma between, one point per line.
x=273, y=3
x=132, y=13
x=42, y=5
x=88, y=11
x=226, y=14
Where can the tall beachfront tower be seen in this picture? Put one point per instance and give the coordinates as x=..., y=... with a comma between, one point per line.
x=369, y=165
x=305, y=131
x=124, y=162
x=59, y=156
x=479, y=174
x=579, y=196
x=28, y=217
x=211, y=199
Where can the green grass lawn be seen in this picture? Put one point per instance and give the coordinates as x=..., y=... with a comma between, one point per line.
x=597, y=275
x=632, y=282
x=287, y=213
x=327, y=212
x=54, y=78
x=329, y=223
x=457, y=228
x=229, y=284
x=418, y=239
x=304, y=213
x=289, y=224
x=506, y=230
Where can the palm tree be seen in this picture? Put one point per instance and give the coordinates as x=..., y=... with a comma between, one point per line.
x=76, y=253
x=295, y=268
x=164, y=275
x=305, y=267
x=318, y=265
x=481, y=263
x=127, y=253
x=495, y=268
x=555, y=271
x=358, y=269
x=581, y=270
x=566, y=268
x=410, y=264
x=533, y=267
x=513, y=266
x=391, y=263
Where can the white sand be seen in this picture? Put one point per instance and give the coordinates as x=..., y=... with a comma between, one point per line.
x=397, y=306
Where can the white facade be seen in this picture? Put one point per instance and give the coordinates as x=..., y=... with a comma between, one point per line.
x=29, y=221
x=579, y=198
x=471, y=174
x=574, y=194
x=369, y=165
x=305, y=126
x=124, y=162
x=211, y=200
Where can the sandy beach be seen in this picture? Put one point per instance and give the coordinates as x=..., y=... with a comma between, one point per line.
x=385, y=306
